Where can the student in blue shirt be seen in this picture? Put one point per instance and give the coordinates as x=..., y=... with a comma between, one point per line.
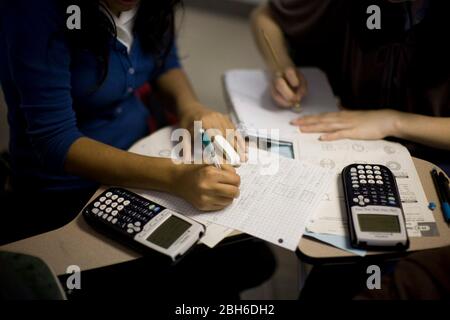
x=73, y=113
x=72, y=107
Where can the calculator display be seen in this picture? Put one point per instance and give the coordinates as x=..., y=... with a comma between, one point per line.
x=169, y=232
x=283, y=148
x=379, y=223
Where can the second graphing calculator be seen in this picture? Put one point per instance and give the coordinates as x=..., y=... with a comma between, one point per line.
x=374, y=209
x=143, y=223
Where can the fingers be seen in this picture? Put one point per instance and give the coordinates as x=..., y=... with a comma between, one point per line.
x=289, y=88
x=342, y=134
x=279, y=99
x=292, y=78
x=284, y=90
x=228, y=176
x=324, y=127
x=327, y=117
x=226, y=191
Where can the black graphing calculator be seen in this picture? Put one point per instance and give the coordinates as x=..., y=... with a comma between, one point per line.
x=142, y=223
x=374, y=209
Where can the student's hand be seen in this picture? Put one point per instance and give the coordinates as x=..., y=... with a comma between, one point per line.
x=206, y=187
x=289, y=87
x=213, y=120
x=362, y=125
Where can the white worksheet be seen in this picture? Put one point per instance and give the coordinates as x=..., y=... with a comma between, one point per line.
x=273, y=207
x=252, y=104
x=331, y=217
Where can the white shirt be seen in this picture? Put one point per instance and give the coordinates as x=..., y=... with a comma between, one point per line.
x=124, y=26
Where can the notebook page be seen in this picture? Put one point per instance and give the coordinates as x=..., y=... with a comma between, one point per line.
x=274, y=207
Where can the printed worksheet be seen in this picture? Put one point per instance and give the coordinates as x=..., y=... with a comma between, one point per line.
x=274, y=207
x=331, y=216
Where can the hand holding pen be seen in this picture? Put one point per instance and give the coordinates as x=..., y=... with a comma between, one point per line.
x=289, y=85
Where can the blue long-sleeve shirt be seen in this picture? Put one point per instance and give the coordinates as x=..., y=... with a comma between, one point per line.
x=48, y=91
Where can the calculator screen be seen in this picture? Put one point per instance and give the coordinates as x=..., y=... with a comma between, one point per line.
x=169, y=232
x=283, y=148
x=378, y=223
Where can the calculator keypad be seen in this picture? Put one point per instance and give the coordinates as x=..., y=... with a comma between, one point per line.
x=123, y=210
x=372, y=185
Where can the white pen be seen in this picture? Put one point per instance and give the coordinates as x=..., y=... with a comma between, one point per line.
x=209, y=147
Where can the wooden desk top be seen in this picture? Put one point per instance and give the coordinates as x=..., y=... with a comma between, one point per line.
x=78, y=244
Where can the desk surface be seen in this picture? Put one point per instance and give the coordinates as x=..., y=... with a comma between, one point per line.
x=78, y=244
x=316, y=251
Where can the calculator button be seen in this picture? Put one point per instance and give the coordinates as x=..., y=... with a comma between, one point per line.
x=371, y=181
x=376, y=168
x=114, y=197
x=114, y=221
x=100, y=213
x=356, y=186
x=126, y=202
x=130, y=225
x=114, y=213
x=379, y=182
x=370, y=176
x=362, y=176
x=353, y=170
x=108, y=210
x=105, y=216
x=120, y=200
x=109, y=219
x=109, y=194
x=354, y=178
x=102, y=207
x=377, y=172
x=157, y=209
x=361, y=203
x=369, y=172
x=391, y=199
x=97, y=204
x=361, y=172
x=368, y=167
x=360, y=167
x=102, y=199
x=120, y=207
x=378, y=177
x=366, y=200
x=363, y=181
x=353, y=174
x=95, y=211
x=360, y=197
x=108, y=202
x=130, y=230
x=355, y=200
x=137, y=224
x=114, y=204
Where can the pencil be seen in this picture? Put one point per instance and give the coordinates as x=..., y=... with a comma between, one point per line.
x=296, y=107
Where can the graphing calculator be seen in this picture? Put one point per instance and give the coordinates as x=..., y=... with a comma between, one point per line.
x=143, y=223
x=374, y=209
